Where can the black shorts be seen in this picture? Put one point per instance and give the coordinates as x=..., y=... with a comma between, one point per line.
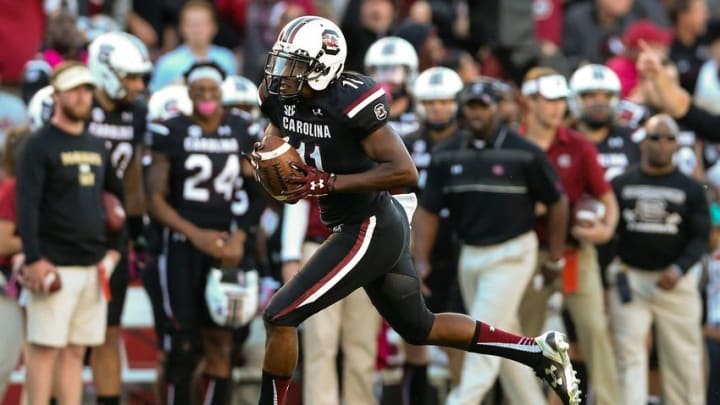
x=372, y=254
x=182, y=272
x=118, y=289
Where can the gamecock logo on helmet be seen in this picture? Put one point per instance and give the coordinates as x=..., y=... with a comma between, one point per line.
x=330, y=40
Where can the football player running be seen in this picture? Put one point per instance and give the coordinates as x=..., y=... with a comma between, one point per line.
x=195, y=190
x=338, y=122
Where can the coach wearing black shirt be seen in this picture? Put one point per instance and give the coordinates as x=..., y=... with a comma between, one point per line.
x=663, y=232
x=62, y=172
x=490, y=179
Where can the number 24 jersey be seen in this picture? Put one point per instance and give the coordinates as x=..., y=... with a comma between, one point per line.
x=205, y=181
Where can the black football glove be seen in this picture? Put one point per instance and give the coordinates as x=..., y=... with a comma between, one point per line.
x=314, y=183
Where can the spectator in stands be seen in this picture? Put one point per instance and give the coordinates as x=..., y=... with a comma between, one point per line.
x=624, y=64
x=11, y=335
x=12, y=113
x=593, y=28
x=351, y=324
x=689, y=19
x=22, y=25
x=663, y=233
x=576, y=162
x=365, y=22
x=198, y=27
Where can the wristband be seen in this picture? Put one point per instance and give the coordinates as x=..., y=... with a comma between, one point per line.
x=555, y=265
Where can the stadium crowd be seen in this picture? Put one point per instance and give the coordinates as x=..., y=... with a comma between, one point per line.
x=568, y=177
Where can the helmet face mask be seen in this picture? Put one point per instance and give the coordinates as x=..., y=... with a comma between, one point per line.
x=286, y=75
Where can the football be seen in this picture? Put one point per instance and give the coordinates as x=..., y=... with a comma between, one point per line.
x=588, y=210
x=52, y=282
x=274, y=165
x=114, y=212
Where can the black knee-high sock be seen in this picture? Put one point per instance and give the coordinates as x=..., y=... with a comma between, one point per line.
x=497, y=342
x=215, y=390
x=273, y=389
x=415, y=384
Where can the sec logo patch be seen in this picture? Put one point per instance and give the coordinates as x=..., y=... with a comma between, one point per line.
x=380, y=111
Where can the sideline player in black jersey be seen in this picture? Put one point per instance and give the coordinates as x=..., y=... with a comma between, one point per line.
x=195, y=187
x=338, y=122
x=119, y=63
x=594, y=102
x=435, y=93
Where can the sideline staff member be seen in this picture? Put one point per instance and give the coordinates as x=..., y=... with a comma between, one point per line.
x=62, y=172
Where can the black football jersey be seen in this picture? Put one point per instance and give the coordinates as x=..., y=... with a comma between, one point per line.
x=421, y=146
x=618, y=151
x=327, y=132
x=121, y=129
x=206, y=185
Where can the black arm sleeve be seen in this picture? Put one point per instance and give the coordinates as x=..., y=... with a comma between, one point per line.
x=705, y=124
x=114, y=186
x=698, y=232
x=31, y=171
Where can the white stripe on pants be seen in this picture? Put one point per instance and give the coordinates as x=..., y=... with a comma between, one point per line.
x=352, y=324
x=676, y=314
x=492, y=281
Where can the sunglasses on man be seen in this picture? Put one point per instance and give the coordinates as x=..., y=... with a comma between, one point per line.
x=656, y=137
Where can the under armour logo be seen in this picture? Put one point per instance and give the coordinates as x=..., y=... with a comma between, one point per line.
x=317, y=112
x=320, y=184
x=556, y=380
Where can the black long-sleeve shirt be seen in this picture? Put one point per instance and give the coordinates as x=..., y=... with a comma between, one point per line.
x=664, y=220
x=705, y=124
x=60, y=181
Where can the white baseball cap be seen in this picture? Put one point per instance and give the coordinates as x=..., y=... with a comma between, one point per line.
x=551, y=87
x=70, y=75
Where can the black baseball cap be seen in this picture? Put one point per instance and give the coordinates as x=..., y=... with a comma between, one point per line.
x=482, y=90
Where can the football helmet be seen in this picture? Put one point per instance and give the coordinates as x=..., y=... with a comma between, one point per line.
x=588, y=78
x=114, y=55
x=169, y=101
x=40, y=107
x=387, y=56
x=238, y=90
x=436, y=83
x=232, y=296
x=309, y=50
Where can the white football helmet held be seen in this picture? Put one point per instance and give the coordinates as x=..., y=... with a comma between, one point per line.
x=40, y=107
x=592, y=78
x=114, y=55
x=309, y=50
x=386, y=55
x=232, y=296
x=168, y=102
x=238, y=90
x=436, y=83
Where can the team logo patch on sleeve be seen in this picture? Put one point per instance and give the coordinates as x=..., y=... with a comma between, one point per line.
x=380, y=111
x=330, y=42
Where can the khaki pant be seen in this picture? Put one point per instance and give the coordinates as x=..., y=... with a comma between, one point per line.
x=11, y=338
x=351, y=324
x=76, y=314
x=587, y=311
x=676, y=314
x=492, y=282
